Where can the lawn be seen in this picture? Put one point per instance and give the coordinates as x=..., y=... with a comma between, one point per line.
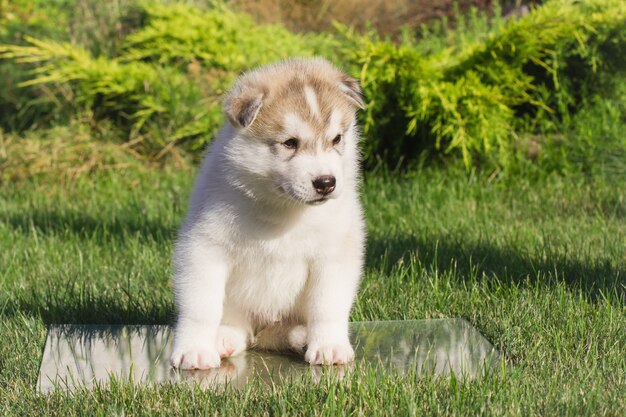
x=527, y=240
x=537, y=266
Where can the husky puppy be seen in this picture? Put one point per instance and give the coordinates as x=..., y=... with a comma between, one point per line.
x=271, y=252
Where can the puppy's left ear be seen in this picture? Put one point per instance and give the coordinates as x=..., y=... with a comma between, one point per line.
x=242, y=105
x=351, y=88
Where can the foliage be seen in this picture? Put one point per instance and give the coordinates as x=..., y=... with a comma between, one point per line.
x=479, y=91
x=159, y=87
x=218, y=38
x=101, y=27
x=527, y=75
x=594, y=142
x=132, y=93
x=23, y=108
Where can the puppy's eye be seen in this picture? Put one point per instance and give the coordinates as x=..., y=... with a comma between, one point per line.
x=337, y=140
x=291, y=143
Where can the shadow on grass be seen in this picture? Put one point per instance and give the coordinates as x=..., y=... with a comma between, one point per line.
x=96, y=308
x=89, y=226
x=75, y=302
x=506, y=265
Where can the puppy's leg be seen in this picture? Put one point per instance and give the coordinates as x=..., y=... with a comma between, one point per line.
x=282, y=337
x=199, y=285
x=330, y=293
x=234, y=332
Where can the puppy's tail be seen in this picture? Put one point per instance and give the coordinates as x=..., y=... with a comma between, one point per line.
x=282, y=338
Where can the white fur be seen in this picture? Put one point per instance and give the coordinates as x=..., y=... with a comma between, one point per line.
x=259, y=251
x=295, y=126
x=311, y=100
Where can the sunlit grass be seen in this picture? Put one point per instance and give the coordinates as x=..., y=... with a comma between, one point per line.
x=538, y=267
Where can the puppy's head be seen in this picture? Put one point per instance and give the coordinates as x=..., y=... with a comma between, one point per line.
x=296, y=136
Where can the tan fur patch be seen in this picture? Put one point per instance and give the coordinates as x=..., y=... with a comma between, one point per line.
x=313, y=90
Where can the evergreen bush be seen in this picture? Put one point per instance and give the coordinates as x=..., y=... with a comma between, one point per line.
x=527, y=75
x=477, y=91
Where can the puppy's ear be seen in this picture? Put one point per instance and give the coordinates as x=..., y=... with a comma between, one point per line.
x=352, y=89
x=242, y=105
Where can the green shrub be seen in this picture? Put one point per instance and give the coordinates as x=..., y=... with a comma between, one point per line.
x=479, y=91
x=147, y=99
x=166, y=85
x=594, y=142
x=97, y=26
x=22, y=108
x=218, y=38
x=102, y=26
x=472, y=98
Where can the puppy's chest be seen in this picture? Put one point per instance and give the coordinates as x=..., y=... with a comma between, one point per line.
x=267, y=277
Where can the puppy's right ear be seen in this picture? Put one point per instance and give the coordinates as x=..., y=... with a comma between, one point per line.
x=352, y=90
x=242, y=105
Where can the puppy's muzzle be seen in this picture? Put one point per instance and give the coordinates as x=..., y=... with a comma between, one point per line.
x=324, y=184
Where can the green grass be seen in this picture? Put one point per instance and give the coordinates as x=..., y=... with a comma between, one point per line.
x=537, y=266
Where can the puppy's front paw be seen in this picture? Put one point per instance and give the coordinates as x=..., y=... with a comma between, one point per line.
x=195, y=358
x=230, y=341
x=332, y=354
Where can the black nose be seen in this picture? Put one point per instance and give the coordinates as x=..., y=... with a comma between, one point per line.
x=325, y=184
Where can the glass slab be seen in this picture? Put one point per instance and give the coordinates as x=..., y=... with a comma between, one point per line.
x=80, y=355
